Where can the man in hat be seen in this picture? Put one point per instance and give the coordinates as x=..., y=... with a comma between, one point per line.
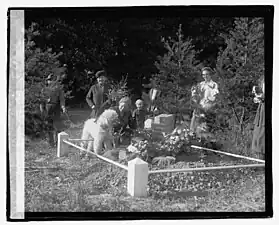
x=53, y=102
x=97, y=96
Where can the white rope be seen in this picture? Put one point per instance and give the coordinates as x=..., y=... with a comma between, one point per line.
x=80, y=139
x=204, y=168
x=99, y=156
x=230, y=154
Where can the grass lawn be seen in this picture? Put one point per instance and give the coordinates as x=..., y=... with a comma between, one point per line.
x=75, y=184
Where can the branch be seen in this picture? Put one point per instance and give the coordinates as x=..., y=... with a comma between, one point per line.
x=235, y=114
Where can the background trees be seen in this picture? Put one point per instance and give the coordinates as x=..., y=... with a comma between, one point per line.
x=38, y=64
x=168, y=50
x=177, y=73
x=239, y=66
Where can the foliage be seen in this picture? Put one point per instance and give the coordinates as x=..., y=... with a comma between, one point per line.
x=238, y=68
x=78, y=185
x=118, y=90
x=177, y=65
x=205, y=34
x=38, y=65
x=163, y=161
x=119, y=45
x=142, y=145
x=163, y=152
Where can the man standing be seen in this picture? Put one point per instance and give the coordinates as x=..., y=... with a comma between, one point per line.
x=54, y=100
x=97, y=97
x=151, y=97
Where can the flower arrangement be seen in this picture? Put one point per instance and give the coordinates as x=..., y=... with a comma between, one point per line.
x=142, y=144
x=177, y=141
x=180, y=140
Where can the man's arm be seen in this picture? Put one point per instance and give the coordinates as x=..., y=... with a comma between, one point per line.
x=62, y=99
x=89, y=98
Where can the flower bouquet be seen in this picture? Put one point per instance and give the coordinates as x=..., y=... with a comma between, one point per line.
x=177, y=141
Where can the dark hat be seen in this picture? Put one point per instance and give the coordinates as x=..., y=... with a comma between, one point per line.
x=100, y=74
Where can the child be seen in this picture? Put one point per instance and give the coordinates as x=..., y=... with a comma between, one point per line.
x=139, y=114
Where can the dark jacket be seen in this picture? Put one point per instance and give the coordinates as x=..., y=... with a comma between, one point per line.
x=54, y=94
x=124, y=121
x=53, y=99
x=139, y=117
x=96, y=97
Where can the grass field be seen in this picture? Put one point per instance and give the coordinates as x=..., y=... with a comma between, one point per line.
x=75, y=184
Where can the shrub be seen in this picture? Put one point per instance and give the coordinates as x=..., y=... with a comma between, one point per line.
x=176, y=67
x=38, y=65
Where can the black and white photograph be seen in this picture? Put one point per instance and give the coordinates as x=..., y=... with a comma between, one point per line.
x=138, y=110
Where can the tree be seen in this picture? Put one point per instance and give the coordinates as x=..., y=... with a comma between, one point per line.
x=38, y=65
x=205, y=34
x=176, y=66
x=239, y=66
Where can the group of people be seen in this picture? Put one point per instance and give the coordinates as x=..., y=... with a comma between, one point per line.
x=98, y=100
x=203, y=97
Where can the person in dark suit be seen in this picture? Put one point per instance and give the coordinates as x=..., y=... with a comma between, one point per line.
x=151, y=97
x=50, y=107
x=97, y=96
x=125, y=125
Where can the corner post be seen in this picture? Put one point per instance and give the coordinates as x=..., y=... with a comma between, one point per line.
x=62, y=148
x=137, y=178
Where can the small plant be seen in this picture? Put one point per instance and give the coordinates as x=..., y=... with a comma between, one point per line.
x=118, y=90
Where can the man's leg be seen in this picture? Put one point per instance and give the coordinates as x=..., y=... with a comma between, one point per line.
x=51, y=140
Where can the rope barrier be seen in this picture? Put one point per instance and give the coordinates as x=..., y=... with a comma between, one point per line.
x=99, y=156
x=204, y=168
x=80, y=139
x=227, y=153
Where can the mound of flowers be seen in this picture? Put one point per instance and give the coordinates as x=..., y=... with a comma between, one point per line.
x=145, y=147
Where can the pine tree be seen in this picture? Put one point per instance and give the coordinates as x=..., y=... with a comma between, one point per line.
x=239, y=66
x=175, y=67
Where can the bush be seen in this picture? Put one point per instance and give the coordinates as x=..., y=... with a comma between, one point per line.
x=38, y=65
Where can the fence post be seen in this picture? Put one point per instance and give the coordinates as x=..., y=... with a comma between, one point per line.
x=62, y=148
x=137, y=178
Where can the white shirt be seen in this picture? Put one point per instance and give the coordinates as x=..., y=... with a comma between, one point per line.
x=207, y=92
